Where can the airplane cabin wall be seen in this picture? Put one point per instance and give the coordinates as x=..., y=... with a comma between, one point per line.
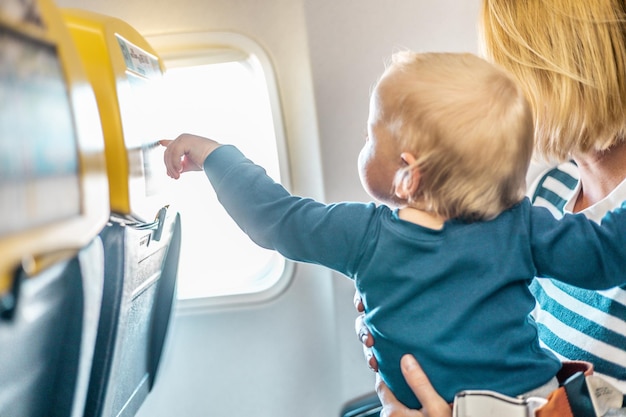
x=295, y=355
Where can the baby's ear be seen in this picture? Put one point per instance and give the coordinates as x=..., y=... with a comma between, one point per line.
x=407, y=178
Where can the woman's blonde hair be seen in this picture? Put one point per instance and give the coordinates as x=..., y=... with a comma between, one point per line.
x=569, y=56
x=468, y=125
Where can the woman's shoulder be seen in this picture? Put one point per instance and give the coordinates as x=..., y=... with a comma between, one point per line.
x=554, y=186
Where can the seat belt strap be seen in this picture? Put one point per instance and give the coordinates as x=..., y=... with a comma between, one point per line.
x=569, y=399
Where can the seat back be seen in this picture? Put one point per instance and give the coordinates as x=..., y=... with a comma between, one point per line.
x=52, y=263
x=142, y=240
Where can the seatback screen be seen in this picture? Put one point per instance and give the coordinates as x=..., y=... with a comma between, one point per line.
x=39, y=166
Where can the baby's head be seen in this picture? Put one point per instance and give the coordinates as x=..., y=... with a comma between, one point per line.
x=448, y=133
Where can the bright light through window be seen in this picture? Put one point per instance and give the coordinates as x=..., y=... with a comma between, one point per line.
x=228, y=102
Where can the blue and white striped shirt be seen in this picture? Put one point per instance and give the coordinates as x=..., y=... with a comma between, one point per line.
x=574, y=323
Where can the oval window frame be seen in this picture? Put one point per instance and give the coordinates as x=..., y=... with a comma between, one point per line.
x=200, y=48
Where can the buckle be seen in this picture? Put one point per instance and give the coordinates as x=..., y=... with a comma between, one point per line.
x=485, y=403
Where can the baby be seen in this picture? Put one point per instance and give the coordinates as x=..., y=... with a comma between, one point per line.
x=444, y=261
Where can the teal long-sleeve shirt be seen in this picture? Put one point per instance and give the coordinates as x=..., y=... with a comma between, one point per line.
x=456, y=298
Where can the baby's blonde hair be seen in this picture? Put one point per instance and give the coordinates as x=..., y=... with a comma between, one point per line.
x=469, y=127
x=569, y=57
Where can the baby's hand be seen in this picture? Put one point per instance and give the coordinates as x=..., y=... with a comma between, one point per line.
x=186, y=153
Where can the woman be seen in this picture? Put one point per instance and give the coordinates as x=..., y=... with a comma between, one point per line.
x=570, y=58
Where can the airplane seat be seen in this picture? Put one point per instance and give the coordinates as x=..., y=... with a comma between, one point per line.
x=40, y=339
x=47, y=334
x=365, y=406
x=139, y=293
x=52, y=263
x=142, y=239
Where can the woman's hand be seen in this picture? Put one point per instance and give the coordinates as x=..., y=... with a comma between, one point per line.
x=364, y=333
x=432, y=404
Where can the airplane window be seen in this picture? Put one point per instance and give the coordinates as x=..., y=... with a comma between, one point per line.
x=225, y=99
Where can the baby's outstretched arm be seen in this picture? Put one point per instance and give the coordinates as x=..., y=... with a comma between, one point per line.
x=186, y=153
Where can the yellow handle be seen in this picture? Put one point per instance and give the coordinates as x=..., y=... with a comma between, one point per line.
x=33, y=265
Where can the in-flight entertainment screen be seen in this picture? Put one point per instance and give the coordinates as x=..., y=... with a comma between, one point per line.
x=39, y=165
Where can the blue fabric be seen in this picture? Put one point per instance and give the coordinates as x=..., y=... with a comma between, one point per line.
x=457, y=298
